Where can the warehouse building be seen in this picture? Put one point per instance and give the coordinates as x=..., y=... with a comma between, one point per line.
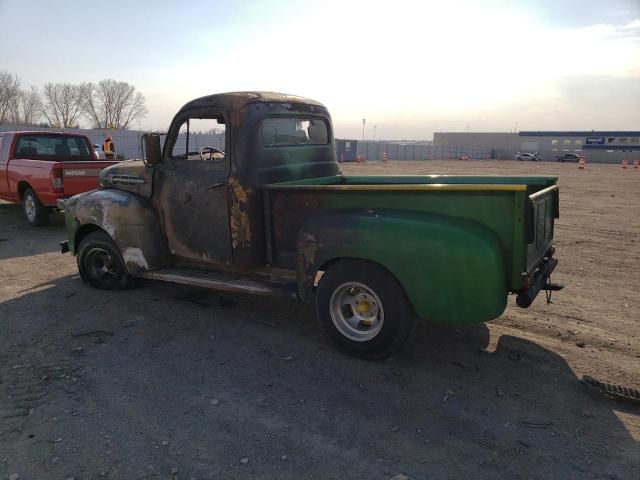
x=595, y=146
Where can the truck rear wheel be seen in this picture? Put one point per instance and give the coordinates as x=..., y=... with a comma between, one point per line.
x=363, y=309
x=100, y=263
x=36, y=214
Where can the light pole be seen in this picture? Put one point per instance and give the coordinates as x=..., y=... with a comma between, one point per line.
x=364, y=122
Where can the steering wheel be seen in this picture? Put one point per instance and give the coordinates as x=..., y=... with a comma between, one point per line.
x=210, y=151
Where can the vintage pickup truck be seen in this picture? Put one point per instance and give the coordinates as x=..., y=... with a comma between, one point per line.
x=272, y=214
x=38, y=169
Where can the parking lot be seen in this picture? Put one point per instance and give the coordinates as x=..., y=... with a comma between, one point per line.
x=172, y=382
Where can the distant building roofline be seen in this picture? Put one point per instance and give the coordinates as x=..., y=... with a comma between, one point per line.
x=581, y=133
x=557, y=133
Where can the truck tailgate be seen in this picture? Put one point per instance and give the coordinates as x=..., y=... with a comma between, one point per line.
x=80, y=177
x=543, y=209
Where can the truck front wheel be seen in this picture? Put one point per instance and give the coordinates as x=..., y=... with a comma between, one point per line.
x=363, y=309
x=36, y=214
x=100, y=263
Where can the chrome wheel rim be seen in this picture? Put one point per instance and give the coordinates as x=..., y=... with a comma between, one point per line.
x=356, y=311
x=30, y=207
x=101, y=265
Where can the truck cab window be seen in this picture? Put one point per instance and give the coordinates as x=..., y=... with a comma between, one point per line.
x=288, y=131
x=201, y=139
x=53, y=147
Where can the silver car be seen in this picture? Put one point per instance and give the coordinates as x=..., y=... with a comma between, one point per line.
x=534, y=157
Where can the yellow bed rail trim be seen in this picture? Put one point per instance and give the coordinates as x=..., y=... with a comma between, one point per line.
x=443, y=187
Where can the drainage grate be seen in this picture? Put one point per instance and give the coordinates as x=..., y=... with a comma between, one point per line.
x=617, y=392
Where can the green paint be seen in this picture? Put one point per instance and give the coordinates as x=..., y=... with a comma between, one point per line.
x=456, y=253
x=72, y=227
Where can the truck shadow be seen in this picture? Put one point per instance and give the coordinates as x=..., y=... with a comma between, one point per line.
x=18, y=239
x=232, y=374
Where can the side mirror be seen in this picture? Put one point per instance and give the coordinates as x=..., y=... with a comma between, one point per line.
x=152, y=149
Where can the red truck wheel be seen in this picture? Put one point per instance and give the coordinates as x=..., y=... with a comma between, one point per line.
x=100, y=263
x=36, y=214
x=363, y=309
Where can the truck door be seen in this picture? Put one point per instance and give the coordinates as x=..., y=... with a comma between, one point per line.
x=5, y=141
x=193, y=192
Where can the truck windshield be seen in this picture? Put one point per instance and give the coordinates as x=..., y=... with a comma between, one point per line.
x=287, y=131
x=53, y=147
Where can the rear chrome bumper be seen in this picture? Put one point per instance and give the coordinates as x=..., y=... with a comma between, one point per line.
x=538, y=282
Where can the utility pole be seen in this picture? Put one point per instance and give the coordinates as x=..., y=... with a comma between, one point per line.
x=364, y=123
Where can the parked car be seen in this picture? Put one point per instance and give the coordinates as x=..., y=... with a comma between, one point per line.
x=273, y=215
x=534, y=157
x=39, y=168
x=568, y=157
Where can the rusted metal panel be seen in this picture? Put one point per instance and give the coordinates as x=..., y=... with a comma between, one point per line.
x=133, y=176
x=193, y=202
x=240, y=223
x=289, y=210
x=129, y=219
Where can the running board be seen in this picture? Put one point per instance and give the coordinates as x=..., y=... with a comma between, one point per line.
x=224, y=282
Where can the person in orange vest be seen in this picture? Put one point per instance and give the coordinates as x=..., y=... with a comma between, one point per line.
x=109, y=149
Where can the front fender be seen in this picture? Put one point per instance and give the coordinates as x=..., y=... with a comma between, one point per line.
x=129, y=219
x=451, y=269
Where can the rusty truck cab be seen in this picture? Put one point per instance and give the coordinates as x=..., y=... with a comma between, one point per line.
x=211, y=208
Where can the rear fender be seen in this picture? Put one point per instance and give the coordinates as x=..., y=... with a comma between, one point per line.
x=451, y=269
x=129, y=219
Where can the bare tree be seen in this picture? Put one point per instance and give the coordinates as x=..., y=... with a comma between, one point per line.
x=112, y=104
x=9, y=92
x=30, y=104
x=26, y=107
x=61, y=104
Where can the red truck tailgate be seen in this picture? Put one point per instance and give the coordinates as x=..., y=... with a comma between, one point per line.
x=78, y=177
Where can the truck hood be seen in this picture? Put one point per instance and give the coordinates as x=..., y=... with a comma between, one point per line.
x=132, y=176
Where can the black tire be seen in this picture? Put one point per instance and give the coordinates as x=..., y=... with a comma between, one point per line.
x=100, y=263
x=35, y=213
x=394, y=309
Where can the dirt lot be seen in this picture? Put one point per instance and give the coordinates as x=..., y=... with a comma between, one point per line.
x=169, y=382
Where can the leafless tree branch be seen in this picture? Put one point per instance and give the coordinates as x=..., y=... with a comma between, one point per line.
x=26, y=107
x=112, y=104
x=61, y=104
x=9, y=93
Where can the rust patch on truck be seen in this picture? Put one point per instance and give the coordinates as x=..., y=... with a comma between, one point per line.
x=240, y=222
x=309, y=249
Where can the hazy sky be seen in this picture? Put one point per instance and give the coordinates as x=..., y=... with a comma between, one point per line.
x=408, y=67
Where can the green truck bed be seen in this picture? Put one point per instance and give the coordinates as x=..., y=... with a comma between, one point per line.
x=473, y=238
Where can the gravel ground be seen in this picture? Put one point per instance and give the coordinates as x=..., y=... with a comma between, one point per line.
x=171, y=382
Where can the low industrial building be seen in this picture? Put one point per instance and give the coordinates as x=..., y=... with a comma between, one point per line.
x=595, y=146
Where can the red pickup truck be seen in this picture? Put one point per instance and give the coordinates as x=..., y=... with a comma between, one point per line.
x=40, y=168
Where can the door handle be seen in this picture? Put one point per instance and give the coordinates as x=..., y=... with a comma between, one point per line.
x=219, y=184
